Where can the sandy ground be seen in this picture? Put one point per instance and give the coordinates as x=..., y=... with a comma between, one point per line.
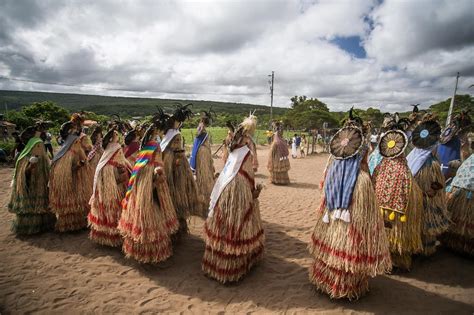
x=67, y=273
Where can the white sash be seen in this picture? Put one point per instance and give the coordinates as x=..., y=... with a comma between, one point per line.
x=231, y=168
x=109, y=152
x=168, y=137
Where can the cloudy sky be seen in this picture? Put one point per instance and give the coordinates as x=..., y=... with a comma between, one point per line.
x=369, y=53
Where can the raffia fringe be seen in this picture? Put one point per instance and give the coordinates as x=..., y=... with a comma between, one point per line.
x=33, y=223
x=358, y=247
x=435, y=215
x=71, y=222
x=337, y=283
x=405, y=237
x=103, y=238
x=205, y=176
x=229, y=268
x=459, y=243
x=280, y=178
x=181, y=183
x=153, y=252
x=462, y=213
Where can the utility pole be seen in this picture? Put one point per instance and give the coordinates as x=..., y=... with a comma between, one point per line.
x=448, y=120
x=271, y=93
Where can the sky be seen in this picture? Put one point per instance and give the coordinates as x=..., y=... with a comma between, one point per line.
x=368, y=53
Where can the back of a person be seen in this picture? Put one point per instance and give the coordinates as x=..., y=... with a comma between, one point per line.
x=298, y=141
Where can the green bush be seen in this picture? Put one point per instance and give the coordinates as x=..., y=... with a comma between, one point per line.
x=8, y=147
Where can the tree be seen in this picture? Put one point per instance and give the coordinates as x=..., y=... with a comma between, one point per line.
x=460, y=102
x=308, y=113
x=46, y=111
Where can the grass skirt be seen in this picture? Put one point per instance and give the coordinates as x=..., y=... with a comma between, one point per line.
x=148, y=219
x=106, y=204
x=29, y=199
x=405, y=237
x=460, y=236
x=351, y=251
x=338, y=284
x=205, y=174
x=435, y=214
x=181, y=183
x=278, y=167
x=65, y=195
x=234, y=234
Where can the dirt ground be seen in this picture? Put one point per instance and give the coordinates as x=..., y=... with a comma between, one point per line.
x=66, y=273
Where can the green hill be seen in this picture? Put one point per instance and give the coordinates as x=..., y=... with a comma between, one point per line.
x=124, y=106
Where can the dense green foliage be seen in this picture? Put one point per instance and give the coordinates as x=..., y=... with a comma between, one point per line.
x=461, y=102
x=305, y=113
x=126, y=106
x=47, y=111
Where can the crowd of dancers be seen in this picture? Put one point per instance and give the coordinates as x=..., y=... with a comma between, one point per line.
x=375, y=214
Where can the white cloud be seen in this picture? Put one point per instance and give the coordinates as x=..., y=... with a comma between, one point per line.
x=224, y=50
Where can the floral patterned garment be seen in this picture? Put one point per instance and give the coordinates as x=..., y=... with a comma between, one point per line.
x=392, y=184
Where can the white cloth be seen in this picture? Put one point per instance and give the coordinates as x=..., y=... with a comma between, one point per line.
x=294, y=153
x=231, y=168
x=109, y=152
x=168, y=137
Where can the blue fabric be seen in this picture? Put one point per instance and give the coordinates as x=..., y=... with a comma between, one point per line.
x=448, y=152
x=198, y=141
x=375, y=159
x=417, y=158
x=340, y=182
x=298, y=141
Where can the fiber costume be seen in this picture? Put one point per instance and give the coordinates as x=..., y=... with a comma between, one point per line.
x=29, y=195
x=278, y=163
x=65, y=197
x=348, y=243
x=201, y=161
x=449, y=148
x=110, y=184
x=399, y=197
x=233, y=231
x=460, y=236
x=148, y=216
x=427, y=172
x=85, y=174
x=96, y=152
x=183, y=189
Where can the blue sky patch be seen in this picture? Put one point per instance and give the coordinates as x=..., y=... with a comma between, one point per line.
x=351, y=44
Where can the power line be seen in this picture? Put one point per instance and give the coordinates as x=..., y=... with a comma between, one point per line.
x=125, y=90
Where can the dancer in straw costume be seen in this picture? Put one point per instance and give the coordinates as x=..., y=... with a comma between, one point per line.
x=110, y=184
x=427, y=171
x=184, y=191
x=29, y=196
x=132, y=145
x=201, y=159
x=227, y=140
x=449, y=148
x=96, y=152
x=148, y=216
x=64, y=195
x=278, y=162
x=85, y=174
x=398, y=195
x=233, y=230
x=460, y=236
x=348, y=243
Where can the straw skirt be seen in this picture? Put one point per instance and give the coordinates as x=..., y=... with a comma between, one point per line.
x=234, y=235
x=346, y=254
